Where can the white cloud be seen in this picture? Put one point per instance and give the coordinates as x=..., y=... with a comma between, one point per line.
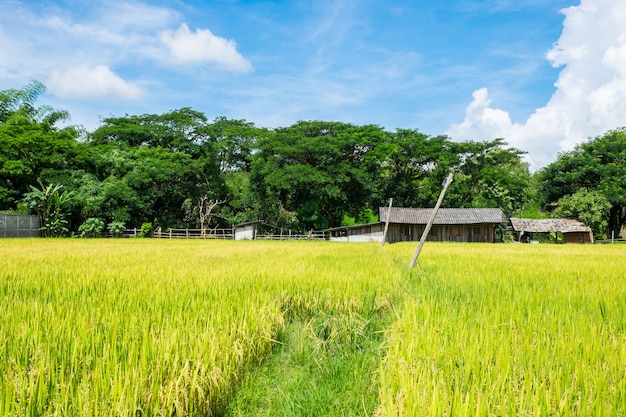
x=590, y=96
x=87, y=82
x=203, y=46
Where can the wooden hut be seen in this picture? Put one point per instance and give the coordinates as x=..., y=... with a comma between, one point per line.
x=450, y=225
x=573, y=231
x=408, y=224
x=371, y=232
x=246, y=231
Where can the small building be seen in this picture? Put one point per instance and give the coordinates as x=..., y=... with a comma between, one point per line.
x=450, y=225
x=408, y=224
x=573, y=231
x=371, y=232
x=19, y=225
x=246, y=231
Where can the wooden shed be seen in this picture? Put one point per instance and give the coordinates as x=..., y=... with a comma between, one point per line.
x=371, y=232
x=573, y=231
x=246, y=231
x=408, y=224
x=450, y=225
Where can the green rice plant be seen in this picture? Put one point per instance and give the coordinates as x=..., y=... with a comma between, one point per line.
x=515, y=330
x=146, y=327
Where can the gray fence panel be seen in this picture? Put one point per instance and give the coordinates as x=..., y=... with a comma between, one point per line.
x=19, y=225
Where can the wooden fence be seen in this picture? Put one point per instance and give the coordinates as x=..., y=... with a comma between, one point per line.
x=307, y=236
x=194, y=234
x=224, y=234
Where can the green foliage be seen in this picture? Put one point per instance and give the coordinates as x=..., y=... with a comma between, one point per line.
x=598, y=165
x=116, y=228
x=146, y=229
x=589, y=207
x=31, y=145
x=311, y=175
x=318, y=170
x=490, y=175
x=50, y=203
x=22, y=208
x=93, y=227
x=366, y=216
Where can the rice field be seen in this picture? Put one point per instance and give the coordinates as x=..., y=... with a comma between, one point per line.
x=515, y=330
x=145, y=327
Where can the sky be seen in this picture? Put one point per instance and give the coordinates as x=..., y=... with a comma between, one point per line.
x=543, y=74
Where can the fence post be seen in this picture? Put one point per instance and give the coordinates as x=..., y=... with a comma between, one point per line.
x=446, y=184
x=387, y=221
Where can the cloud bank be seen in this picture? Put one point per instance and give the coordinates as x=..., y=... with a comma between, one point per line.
x=590, y=96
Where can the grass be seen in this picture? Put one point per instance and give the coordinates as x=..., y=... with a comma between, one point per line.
x=515, y=330
x=145, y=327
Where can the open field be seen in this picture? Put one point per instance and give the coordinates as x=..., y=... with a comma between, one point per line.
x=152, y=327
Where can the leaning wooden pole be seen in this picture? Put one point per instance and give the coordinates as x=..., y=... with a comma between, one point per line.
x=387, y=221
x=446, y=184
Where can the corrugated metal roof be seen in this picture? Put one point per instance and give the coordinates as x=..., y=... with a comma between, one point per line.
x=548, y=225
x=444, y=215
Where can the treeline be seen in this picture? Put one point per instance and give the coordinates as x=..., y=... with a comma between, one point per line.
x=180, y=169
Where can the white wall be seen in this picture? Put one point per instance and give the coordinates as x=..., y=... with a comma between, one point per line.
x=245, y=232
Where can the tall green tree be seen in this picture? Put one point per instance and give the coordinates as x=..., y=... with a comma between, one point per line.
x=597, y=165
x=50, y=203
x=317, y=171
x=31, y=145
x=487, y=174
x=30, y=142
x=490, y=174
x=139, y=184
x=589, y=207
x=182, y=130
x=415, y=165
x=152, y=164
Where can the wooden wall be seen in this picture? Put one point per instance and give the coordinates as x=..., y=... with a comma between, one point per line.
x=442, y=233
x=577, y=237
x=364, y=233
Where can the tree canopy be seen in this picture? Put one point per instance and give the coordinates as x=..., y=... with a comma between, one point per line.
x=159, y=168
x=598, y=165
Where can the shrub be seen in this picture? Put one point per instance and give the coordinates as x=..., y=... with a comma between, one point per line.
x=146, y=229
x=116, y=228
x=93, y=227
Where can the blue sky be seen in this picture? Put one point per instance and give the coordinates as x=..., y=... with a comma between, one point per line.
x=542, y=74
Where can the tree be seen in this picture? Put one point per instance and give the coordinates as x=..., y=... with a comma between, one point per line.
x=589, y=207
x=317, y=171
x=31, y=145
x=182, y=130
x=235, y=142
x=50, y=203
x=415, y=167
x=151, y=164
x=597, y=165
x=490, y=175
